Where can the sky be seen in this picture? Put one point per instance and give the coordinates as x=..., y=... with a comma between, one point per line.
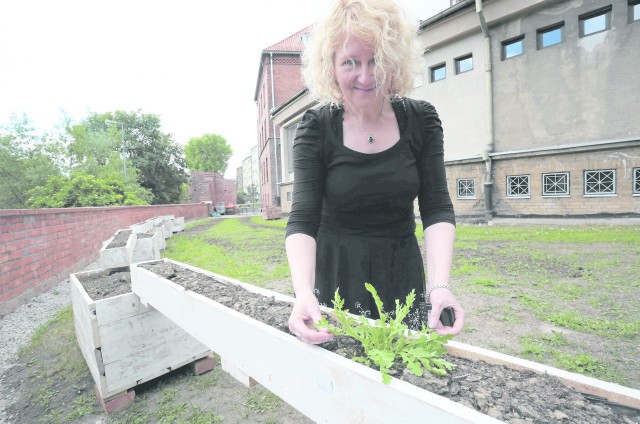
x=194, y=63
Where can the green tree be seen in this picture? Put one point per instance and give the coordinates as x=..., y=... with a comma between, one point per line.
x=27, y=160
x=209, y=153
x=82, y=189
x=151, y=154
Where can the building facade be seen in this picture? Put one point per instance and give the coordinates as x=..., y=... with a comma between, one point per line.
x=279, y=78
x=537, y=105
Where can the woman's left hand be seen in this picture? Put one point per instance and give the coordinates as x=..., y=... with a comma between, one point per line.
x=440, y=299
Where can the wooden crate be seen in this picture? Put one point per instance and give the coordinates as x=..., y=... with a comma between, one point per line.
x=125, y=343
x=320, y=384
x=117, y=257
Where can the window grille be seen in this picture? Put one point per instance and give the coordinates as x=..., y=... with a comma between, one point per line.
x=599, y=182
x=636, y=180
x=518, y=186
x=466, y=188
x=556, y=184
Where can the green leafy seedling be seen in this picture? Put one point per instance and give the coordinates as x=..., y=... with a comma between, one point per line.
x=388, y=339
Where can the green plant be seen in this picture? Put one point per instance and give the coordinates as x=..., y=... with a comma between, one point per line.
x=388, y=340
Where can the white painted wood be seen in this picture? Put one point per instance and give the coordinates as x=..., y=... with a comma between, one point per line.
x=322, y=385
x=141, y=227
x=178, y=224
x=117, y=257
x=613, y=392
x=235, y=372
x=125, y=343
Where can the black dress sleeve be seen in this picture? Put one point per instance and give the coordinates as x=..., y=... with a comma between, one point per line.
x=433, y=198
x=308, y=173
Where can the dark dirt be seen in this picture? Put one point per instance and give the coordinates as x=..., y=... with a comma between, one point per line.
x=120, y=239
x=108, y=283
x=509, y=395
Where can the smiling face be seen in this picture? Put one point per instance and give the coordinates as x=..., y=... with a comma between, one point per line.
x=355, y=73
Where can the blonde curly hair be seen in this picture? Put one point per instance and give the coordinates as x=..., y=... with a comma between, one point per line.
x=380, y=23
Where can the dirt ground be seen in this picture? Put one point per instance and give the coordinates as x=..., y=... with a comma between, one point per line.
x=494, y=325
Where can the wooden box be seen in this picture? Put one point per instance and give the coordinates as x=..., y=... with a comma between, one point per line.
x=125, y=343
x=117, y=257
x=324, y=386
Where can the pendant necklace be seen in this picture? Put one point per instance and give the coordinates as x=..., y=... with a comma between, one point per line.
x=370, y=138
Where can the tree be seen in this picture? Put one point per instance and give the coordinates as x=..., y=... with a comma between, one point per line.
x=209, y=153
x=26, y=161
x=82, y=189
x=152, y=154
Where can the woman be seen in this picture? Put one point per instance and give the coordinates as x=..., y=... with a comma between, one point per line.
x=360, y=160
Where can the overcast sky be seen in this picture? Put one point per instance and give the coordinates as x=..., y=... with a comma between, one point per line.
x=194, y=63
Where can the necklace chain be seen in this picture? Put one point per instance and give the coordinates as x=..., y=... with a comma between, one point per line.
x=370, y=138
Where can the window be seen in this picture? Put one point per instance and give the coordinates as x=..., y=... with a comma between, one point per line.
x=466, y=188
x=512, y=48
x=636, y=180
x=550, y=35
x=595, y=22
x=598, y=183
x=556, y=184
x=438, y=72
x=464, y=64
x=288, y=196
x=518, y=186
x=634, y=11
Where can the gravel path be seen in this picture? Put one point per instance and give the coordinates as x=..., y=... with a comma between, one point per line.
x=17, y=328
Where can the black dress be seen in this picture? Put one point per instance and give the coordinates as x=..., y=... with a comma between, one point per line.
x=359, y=206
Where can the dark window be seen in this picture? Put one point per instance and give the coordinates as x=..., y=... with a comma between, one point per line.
x=555, y=184
x=464, y=64
x=438, y=72
x=595, y=22
x=550, y=35
x=513, y=47
x=466, y=188
x=634, y=10
x=598, y=183
x=518, y=186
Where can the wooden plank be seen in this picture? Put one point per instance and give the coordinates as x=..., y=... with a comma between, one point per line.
x=613, y=392
x=84, y=316
x=151, y=363
x=117, y=308
x=322, y=385
x=149, y=331
x=230, y=368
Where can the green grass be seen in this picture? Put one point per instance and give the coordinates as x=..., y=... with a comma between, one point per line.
x=524, y=233
x=252, y=254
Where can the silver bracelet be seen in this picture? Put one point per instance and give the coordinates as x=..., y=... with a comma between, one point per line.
x=437, y=286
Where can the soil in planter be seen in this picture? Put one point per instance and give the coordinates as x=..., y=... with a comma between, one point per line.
x=105, y=284
x=120, y=239
x=509, y=395
x=144, y=235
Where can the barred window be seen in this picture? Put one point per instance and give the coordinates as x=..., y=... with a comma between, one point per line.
x=597, y=183
x=636, y=180
x=288, y=196
x=518, y=186
x=555, y=184
x=466, y=188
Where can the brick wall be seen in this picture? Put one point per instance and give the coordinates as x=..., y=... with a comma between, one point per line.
x=41, y=247
x=211, y=187
x=467, y=207
x=623, y=201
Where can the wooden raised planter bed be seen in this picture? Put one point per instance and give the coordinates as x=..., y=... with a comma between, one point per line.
x=147, y=247
x=324, y=386
x=117, y=257
x=125, y=343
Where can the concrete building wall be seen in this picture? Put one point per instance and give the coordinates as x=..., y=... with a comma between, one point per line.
x=575, y=91
x=460, y=99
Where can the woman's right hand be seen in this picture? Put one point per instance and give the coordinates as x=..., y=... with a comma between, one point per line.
x=306, y=312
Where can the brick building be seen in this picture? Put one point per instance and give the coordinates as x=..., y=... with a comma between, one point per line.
x=211, y=187
x=279, y=78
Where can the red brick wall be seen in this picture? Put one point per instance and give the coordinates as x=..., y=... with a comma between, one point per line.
x=211, y=187
x=41, y=247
